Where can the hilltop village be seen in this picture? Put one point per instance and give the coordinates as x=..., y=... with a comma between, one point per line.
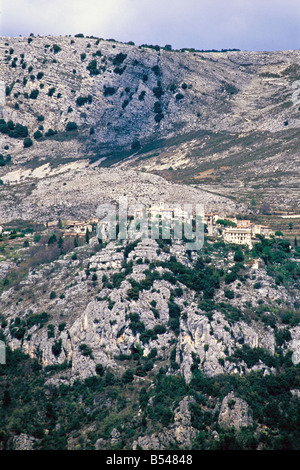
x=230, y=229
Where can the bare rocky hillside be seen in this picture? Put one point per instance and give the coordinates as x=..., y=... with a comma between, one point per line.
x=224, y=121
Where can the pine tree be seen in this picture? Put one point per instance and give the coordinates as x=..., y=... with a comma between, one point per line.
x=87, y=236
x=61, y=244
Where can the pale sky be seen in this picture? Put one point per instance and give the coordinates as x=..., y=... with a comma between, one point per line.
x=202, y=24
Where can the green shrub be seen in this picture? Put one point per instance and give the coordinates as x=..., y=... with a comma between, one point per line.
x=239, y=256
x=50, y=331
x=71, y=126
x=38, y=135
x=13, y=130
x=57, y=348
x=156, y=70
x=133, y=293
x=27, y=142
x=56, y=48
x=86, y=350
x=128, y=376
x=50, y=132
x=51, y=91
x=37, y=319
x=159, y=117
x=109, y=91
x=119, y=70
x=119, y=58
x=93, y=68
x=158, y=91
x=100, y=369
x=82, y=100
x=179, y=96
x=135, y=324
x=3, y=127
x=230, y=277
x=62, y=326
x=229, y=294
x=19, y=131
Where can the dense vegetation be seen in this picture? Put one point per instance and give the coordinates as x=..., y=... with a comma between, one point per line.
x=77, y=414
x=54, y=415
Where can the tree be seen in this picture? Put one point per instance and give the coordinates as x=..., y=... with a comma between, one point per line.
x=93, y=68
x=56, y=348
x=27, y=142
x=71, y=126
x=76, y=241
x=87, y=236
x=6, y=399
x=179, y=96
x=34, y=94
x=127, y=376
x=52, y=239
x=238, y=256
x=56, y=48
x=60, y=244
x=37, y=135
x=49, y=133
x=100, y=369
x=51, y=91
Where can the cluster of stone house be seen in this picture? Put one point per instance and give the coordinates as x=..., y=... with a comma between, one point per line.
x=231, y=229
x=76, y=227
x=147, y=217
x=240, y=232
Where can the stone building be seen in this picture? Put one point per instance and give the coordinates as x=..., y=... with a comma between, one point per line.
x=239, y=236
x=78, y=228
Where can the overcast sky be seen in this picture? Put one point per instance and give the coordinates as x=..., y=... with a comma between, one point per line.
x=202, y=24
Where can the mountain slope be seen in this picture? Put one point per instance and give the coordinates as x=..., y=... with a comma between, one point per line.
x=226, y=120
x=143, y=344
